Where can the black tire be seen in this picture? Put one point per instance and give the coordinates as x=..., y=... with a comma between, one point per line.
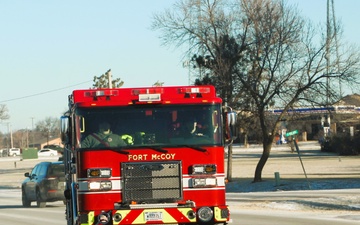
x=68, y=214
x=39, y=202
x=25, y=201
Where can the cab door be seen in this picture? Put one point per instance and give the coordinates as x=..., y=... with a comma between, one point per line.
x=30, y=187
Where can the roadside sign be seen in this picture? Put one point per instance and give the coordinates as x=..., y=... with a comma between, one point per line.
x=291, y=133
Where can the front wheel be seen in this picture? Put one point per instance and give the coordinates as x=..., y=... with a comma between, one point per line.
x=69, y=215
x=39, y=202
x=25, y=200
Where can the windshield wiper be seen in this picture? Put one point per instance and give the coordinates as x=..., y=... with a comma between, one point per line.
x=156, y=148
x=194, y=147
x=119, y=150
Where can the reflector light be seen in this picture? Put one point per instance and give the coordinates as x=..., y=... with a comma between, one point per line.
x=96, y=172
x=224, y=213
x=204, y=169
x=193, y=90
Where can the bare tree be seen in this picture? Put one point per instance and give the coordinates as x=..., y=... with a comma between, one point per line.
x=3, y=116
x=21, y=138
x=4, y=113
x=288, y=67
x=102, y=81
x=49, y=128
x=260, y=54
x=205, y=26
x=158, y=84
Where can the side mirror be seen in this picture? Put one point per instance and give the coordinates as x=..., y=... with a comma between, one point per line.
x=64, y=129
x=231, y=125
x=27, y=174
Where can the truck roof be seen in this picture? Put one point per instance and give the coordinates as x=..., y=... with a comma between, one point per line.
x=205, y=94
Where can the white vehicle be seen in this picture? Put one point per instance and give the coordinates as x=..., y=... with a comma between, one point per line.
x=47, y=152
x=14, y=152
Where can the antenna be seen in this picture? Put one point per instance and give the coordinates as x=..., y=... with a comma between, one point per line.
x=331, y=35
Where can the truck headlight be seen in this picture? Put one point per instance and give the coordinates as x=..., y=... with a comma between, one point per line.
x=100, y=185
x=204, y=169
x=204, y=182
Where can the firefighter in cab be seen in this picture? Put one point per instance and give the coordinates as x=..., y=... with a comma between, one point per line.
x=103, y=138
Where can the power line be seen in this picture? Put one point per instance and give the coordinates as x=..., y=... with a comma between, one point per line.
x=42, y=93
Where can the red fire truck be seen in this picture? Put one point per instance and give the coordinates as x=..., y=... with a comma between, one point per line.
x=160, y=161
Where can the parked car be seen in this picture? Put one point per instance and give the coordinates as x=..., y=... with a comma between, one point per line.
x=53, y=147
x=47, y=152
x=45, y=183
x=14, y=152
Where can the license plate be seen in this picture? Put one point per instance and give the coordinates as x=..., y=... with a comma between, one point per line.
x=153, y=216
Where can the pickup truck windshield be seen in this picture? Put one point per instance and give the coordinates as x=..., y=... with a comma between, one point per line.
x=155, y=125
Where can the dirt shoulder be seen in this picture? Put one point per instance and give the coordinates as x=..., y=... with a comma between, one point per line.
x=323, y=170
x=311, y=169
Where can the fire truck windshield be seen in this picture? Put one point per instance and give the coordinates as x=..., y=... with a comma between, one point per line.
x=155, y=125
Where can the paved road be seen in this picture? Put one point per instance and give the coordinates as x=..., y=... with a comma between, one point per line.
x=248, y=205
x=12, y=212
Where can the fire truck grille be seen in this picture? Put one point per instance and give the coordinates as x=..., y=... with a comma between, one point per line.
x=152, y=182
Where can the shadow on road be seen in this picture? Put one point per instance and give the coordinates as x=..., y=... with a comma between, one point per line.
x=32, y=206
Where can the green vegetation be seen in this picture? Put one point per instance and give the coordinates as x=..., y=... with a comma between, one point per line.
x=343, y=145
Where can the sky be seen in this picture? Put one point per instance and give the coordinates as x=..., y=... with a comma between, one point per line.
x=49, y=48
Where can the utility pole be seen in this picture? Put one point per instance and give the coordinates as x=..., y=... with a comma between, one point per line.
x=108, y=73
x=27, y=137
x=32, y=131
x=10, y=134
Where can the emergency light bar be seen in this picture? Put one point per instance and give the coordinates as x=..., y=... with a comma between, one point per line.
x=147, y=91
x=149, y=97
x=99, y=93
x=148, y=94
x=192, y=90
x=144, y=95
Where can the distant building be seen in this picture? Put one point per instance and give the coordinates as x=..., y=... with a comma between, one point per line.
x=313, y=123
x=56, y=141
